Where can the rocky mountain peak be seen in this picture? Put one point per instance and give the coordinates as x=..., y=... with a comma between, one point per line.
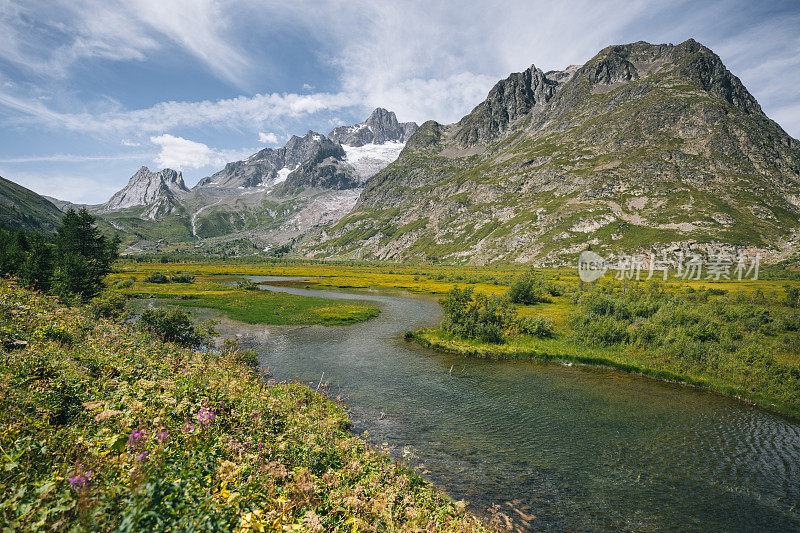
x=159, y=192
x=379, y=128
x=643, y=145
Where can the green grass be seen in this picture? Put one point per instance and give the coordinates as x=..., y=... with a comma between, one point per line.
x=263, y=307
x=250, y=306
x=525, y=347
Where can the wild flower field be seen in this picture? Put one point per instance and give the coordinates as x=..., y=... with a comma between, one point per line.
x=104, y=428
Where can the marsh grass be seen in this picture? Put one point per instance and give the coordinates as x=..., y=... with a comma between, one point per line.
x=243, y=304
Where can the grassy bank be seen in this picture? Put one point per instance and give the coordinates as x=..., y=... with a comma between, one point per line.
x=526, y=348
x=103, y=428
x=250, y=306
x=745, y=345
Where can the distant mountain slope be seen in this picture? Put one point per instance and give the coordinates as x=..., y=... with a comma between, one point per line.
x=266, y=200
x=643, y=146
x=21, y=208
x=381, y=127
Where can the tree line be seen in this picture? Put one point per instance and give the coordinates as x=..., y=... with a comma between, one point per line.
x=70, y=264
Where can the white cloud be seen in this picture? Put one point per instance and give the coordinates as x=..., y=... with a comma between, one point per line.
x=424, y=59
x=267, y=138
x=180, y=153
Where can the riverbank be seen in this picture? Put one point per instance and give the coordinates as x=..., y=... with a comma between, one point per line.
x=559, y=350
x=105, y=428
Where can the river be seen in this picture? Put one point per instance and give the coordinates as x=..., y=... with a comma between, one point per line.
x=558, y=448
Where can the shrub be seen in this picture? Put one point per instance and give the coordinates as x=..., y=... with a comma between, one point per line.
x=247, y=285
x=156, y=277
x=55, y=333
x=108, y=305
x=792, y=296
x=182, y=278
x=176, y=326
x=123, y=283
x=789, y=321
x=536, y=326
x=477, y=316
x=529, y=288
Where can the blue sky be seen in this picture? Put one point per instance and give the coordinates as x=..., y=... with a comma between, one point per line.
x=92, y=90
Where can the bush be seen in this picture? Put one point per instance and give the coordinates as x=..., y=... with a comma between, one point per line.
x=792, y=296
x=182, y=278
x=789, y=321
x=529, y=288
x=157, y=277
x=55, y=333
x=477, y=316
x=123, y=283
x=536, y=326
x=247, y=285
x=110, y=305
x=176, y=326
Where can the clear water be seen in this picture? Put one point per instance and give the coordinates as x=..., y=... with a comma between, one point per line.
x=559, y=448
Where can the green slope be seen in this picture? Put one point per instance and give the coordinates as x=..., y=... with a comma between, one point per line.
x=21, y=208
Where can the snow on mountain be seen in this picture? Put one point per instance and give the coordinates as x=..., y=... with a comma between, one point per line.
x=369, y=159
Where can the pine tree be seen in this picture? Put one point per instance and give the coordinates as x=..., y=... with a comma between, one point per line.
x=83, y=256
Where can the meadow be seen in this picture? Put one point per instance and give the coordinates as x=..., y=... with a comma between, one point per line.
x=238, y=301
x=106, y=428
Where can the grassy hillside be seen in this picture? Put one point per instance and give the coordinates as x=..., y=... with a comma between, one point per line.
x=104, y=429
x=21, y=208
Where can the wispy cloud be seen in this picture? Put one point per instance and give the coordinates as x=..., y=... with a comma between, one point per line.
x=252, y=112
x=74, y=158
x=48, y=37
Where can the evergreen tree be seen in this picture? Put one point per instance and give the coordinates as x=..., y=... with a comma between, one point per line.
x=37, y=270
x=83, y=256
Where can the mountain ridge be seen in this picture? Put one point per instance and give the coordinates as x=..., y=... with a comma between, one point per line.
x=643, y=145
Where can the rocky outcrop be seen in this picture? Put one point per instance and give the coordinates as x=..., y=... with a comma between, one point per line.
x=266, y=167
x=509, y=99
x=323, y=169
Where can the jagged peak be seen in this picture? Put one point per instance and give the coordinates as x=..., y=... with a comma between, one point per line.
x=509, y=99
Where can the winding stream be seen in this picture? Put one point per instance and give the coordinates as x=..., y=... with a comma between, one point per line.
x=570, y=448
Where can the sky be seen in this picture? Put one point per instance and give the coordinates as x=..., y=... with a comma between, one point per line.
x=91, y=90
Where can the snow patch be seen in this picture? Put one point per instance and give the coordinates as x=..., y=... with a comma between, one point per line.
x=370, y=159
x=283, y=174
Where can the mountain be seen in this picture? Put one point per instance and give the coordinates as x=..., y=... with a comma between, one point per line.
x=342, y=160
x=381, y=127
x=644, y=146
x=265, y=200
x=21, y=208
x=159, y=193
x=268, y=166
